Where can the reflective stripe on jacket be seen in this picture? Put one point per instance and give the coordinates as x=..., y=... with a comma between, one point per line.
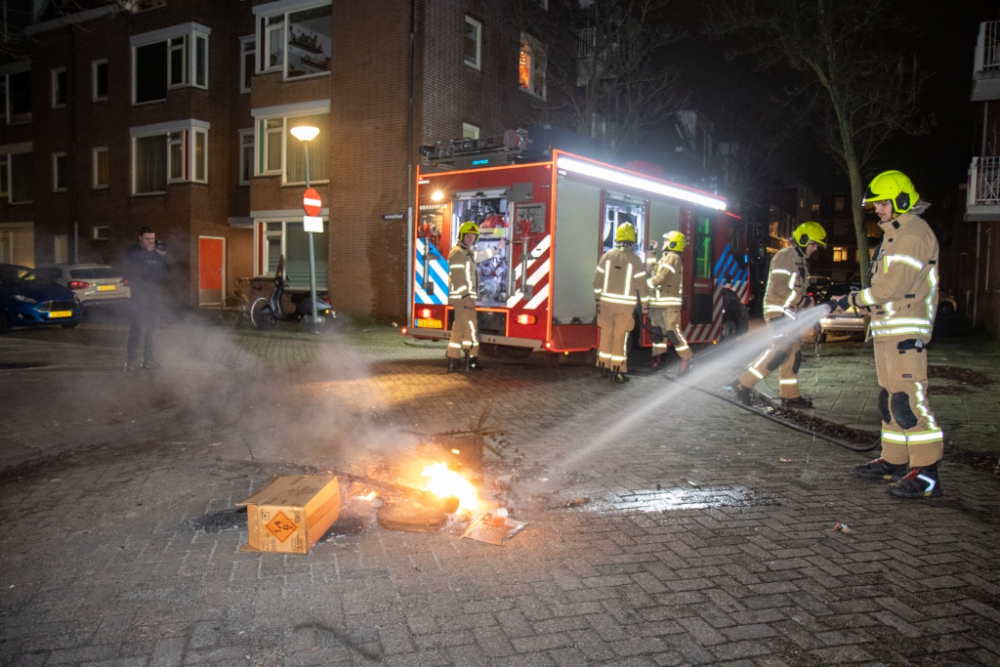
x=903, y=295
x=619, y=274
x=667, y=281
x=463, y=278
x=786, y=283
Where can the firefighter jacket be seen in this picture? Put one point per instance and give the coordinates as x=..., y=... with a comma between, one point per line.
x=619, y=274
x=463, y=278
x=903, y=295
x=786, y=283
x=666, y=282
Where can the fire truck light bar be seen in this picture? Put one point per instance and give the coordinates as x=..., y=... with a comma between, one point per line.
x=628, y=180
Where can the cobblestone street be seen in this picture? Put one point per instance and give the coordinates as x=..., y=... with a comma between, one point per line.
x=678, y=537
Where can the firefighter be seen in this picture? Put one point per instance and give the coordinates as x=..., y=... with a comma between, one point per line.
x=620, y=273
x=902, y=301
x=787, y=282
x=666, y=285
x=463, y=278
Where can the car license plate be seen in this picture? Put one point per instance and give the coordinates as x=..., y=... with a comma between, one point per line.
x=105, y=288
x=430, y=324
x=60, y=313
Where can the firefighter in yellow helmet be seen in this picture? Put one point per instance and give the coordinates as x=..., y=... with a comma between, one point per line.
x=786, y=295
x=902, y=301
x=618, y=277
x=463, y=278
x=666, y=284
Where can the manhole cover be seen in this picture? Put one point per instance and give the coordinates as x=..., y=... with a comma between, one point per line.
x=19, y=365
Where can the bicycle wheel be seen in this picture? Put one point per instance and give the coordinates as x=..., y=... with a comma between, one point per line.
x=261, y=315
x=229, y=311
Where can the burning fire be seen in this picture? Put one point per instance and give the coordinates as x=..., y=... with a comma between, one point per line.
x=445, y=482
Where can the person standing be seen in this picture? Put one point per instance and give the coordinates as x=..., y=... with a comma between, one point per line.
x=667, y=284
x=620, y=274
x=902, y=301
x=146, y=267
x=463, y=291
x=787, y=283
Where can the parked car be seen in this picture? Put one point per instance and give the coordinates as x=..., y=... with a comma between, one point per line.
x=92, y=283
x=847, y=322
x=28, y=298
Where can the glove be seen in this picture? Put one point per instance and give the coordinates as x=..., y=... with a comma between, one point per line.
x=840, y=304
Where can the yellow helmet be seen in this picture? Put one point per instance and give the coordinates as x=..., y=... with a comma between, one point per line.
x=810, y=232
x=625, y=233
x=894, y=186
x=674, y=241
x=468, y=228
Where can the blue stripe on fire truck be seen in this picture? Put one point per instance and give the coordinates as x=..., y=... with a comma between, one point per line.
x=436, y=276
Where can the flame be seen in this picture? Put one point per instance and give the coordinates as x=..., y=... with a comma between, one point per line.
x=369, y=496
x=445, y=482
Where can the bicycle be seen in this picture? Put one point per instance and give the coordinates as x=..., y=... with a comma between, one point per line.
x=234, y=311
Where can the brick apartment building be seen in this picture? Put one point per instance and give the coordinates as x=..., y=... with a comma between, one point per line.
x=176, y=114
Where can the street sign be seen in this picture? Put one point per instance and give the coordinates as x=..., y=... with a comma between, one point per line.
x=311, y=202
x=312, y=224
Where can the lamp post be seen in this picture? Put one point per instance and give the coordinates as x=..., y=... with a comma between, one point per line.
x=305, y=134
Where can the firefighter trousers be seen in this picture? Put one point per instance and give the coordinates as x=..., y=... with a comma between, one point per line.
x=463, y=329
x=669, y=321
x=616, y=321
x=910, y=433
x=784, y=353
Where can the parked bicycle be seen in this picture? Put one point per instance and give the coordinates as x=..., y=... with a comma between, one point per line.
x=234, y=311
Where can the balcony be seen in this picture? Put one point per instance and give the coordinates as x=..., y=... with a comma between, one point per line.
x=983, y=193
x=986, y=71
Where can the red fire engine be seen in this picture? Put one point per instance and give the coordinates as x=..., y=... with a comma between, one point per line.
x=558, y=217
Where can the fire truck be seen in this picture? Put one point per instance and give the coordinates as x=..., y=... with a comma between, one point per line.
x=558, y=216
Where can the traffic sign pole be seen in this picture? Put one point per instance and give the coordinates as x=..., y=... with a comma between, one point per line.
x=312, y=204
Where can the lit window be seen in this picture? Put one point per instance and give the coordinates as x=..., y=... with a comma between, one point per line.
x=839, y=254
x=58, y=88
x=162, y=156
x=271, y=142
x=248, y=54
x=279, y=152
x=838, y=203
x=246, y=156
x=60, y=176
x=469, y=131
x=170, y=58
x=531, y=66
x=473, y=42
x=277, y=238
x=18, y=89
x=100, y=168
x=815, y=208
x=297, y=43
x=99, y=78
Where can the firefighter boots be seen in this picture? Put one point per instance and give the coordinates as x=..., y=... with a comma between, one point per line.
x=619, y=377
x=800, y=402
x=918, y=483
x=605, y=371
x=454, y=365
x=743, y=394
x=473, y=364
x=881, y=469
x=657, y=363
x=685, y=367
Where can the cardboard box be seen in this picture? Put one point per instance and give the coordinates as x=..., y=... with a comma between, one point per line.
x=291, y=513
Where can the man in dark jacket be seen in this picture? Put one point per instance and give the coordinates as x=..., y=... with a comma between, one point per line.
x=146, y=268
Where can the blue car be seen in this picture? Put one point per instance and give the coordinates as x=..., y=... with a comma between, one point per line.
x=31, y=298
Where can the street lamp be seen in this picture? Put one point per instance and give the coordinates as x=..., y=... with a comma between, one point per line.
x=305, y=134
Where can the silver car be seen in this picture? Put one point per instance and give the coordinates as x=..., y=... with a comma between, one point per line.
x=92, y=283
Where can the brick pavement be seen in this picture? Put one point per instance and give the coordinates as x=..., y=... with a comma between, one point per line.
x=697, y=546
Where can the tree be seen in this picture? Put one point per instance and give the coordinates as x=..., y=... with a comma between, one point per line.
x=856, y=84
x=605, y=75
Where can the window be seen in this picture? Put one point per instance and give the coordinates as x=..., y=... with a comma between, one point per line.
x=19, y=97
x=838, y=203
x=473, y=42
x=531, y=66
x=279, y=152
x=288, y=238
x=839, y=254
x=246, y=156
x=248, y=55
x=167, y=153
x=58, y=88
x=815, y=208
x=166, y=59
x=60, y=175
x=99, y=78
x=4, y=174
x=21, y=177
x=100, y=168
x=297, y=43
x=469, y=131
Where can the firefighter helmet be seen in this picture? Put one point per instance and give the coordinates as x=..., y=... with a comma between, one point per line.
x=674, y=241
x=468, y=228
x=625, y=233
x=810, y=232
x=894, y=186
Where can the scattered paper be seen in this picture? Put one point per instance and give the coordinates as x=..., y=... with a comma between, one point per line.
x=840, y=528
x=493, y=529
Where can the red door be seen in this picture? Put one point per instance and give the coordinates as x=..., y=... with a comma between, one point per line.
x=211, y=270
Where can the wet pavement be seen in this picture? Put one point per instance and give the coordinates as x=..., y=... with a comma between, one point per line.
x=698, y=534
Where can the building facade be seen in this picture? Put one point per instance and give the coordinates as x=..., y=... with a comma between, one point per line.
x=176, y=114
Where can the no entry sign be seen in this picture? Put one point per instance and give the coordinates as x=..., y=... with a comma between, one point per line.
x=311, y=202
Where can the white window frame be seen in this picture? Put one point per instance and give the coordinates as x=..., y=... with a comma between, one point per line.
x=55, y=172
x=470, y=131
x=190, y=33
x=7, y=72
x=536, y=48
x=250, y=40
x=478, y=25
x=54, y=85
x=94, y=94
x=97, y=150
x=8, y=151
x=262, y=234
x=188, y=130
x=249, y=132
x=182, y=139
x=282, y=113
x=265, y=31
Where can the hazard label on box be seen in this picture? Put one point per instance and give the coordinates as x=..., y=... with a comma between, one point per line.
x=281, y=527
